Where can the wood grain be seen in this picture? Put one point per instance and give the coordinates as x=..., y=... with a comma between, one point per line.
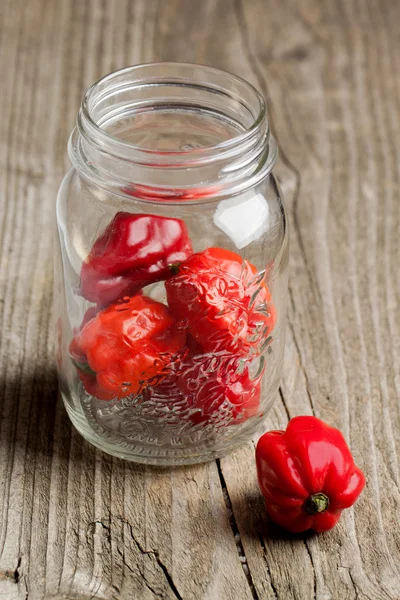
x=77, y=524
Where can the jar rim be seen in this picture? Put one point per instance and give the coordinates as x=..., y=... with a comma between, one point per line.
x=105, y=136
x=194, y=174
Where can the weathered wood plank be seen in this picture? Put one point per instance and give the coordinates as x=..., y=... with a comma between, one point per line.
x=325, y=70
x=77, y=523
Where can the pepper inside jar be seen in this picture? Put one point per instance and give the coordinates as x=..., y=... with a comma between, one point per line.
x=172, y=271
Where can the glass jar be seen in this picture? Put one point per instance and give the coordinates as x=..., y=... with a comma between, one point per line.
x=171, y=275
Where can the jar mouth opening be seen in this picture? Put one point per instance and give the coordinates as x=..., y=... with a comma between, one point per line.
x=112, y=94
x=172, y=132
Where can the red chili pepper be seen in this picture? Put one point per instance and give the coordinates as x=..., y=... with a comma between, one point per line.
x=226, y=304
x=90, y=384
x=307, y=475
x=218, y=390
x=133, y=251
x=125, y=346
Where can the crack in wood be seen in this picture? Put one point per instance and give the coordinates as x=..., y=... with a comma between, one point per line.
x=10, y=575
x=155, y=555
x=15, y=576
x=354, y=584
x=357, y=595
x=282, y=397
x=264, y=553
x=236, y=532
x=313, y=568
x=91, y=529
x=145, y=580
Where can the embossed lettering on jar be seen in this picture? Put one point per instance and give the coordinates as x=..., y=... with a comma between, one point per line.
x=171, y=274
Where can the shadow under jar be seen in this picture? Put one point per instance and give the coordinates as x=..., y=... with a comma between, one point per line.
x=171, y=274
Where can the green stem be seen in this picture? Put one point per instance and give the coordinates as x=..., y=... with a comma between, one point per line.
x=316, y=503
x=84, y=367
x=174, y=267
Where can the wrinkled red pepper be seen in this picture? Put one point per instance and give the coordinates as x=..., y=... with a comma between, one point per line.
x=134, y=251
x=307, y=475
x=125, y=346
x=214, y=383
x=226, y=305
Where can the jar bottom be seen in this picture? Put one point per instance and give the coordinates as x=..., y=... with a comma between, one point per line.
x=145, y=449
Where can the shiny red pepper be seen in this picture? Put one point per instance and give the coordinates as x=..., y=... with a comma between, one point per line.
x=218, y=390
x=126, y=346
x=307, y=475
x=226, y=304
x=134, y=251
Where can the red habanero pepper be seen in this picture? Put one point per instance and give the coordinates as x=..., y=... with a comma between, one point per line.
x=217, y=390
x=125, y=346
x=226, y=305
x=134, y=251
x=307, y=475
x=85, y=373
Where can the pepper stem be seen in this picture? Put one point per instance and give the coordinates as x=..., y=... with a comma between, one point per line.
x=316, y=503
x=84, y=367
x=174, y=268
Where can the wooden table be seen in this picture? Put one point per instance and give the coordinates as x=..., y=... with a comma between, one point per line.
x=77, y=524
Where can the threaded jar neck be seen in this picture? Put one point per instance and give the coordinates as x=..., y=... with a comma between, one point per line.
x=173, y=132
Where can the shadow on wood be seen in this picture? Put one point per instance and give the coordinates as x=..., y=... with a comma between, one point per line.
x=258, y=524
x=28, y=405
